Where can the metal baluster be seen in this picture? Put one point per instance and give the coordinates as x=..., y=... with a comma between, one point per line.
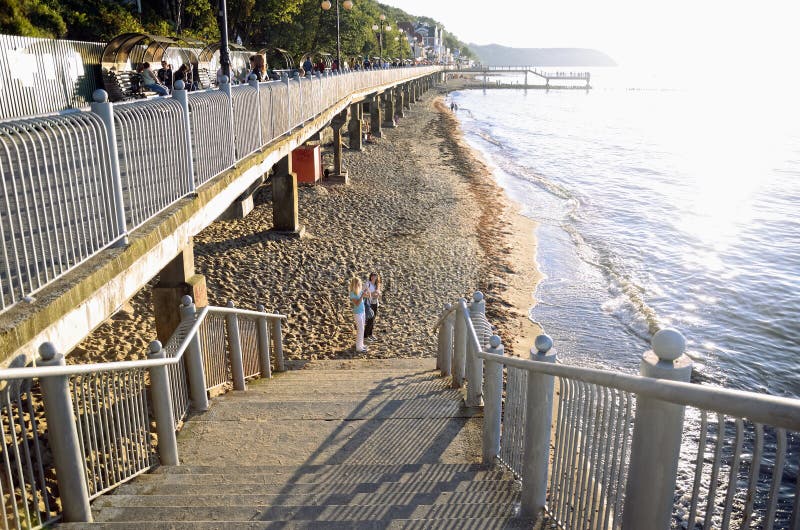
x=777, y=475
x=698, y=470
x=734, y=474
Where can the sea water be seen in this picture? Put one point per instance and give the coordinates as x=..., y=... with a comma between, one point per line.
x=657, y=206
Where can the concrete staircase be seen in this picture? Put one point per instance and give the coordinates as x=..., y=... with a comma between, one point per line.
x=337, y=444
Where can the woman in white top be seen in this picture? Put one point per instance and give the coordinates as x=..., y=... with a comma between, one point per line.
x=374, y=290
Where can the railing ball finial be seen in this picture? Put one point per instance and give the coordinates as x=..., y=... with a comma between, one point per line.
x=48, y=351
x=261, y=308
x=495, y=341
x=230, y=304
x=448, y=306
x=477, y=296
x=180, y=85
x=224, y=80
x=186, y=300
x=668, y=344
x=155, y=347
x=543, y=344
x=100, y=96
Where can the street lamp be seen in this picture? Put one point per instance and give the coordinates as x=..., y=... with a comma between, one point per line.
x=380, y=29
x=347, y=5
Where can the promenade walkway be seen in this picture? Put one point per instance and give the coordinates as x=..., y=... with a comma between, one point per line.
x=336, y=444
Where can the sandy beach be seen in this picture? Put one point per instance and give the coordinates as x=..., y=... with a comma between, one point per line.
x=421, y=209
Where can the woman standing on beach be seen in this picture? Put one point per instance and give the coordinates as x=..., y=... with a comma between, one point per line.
x=357, y=295
x=374, y=291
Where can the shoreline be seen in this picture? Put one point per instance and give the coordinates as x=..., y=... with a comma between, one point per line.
x=422, y=209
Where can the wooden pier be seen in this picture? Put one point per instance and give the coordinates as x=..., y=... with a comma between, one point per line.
x=583, y=77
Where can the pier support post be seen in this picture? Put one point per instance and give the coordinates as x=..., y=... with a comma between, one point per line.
x=375, y=115
x=177, y=280
x=354, y=127
x=285, y=216
x=656, y=441
x=63, y=439
x=406, y=96
x=398, y=104
x=339, y=175
x=538, y=419
x=388, y=117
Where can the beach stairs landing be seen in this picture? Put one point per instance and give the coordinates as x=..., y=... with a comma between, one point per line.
x=337, y=444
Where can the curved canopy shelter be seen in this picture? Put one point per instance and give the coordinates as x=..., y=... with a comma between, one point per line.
x=316, y=57
x=124, y=52
x=209, y=62
x=279, y=60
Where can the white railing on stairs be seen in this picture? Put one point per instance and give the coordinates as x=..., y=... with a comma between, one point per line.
x=611, y=450
x=98, y=420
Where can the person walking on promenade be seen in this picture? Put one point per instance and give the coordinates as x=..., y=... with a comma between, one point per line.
x=373, y=298
x=165, y=75
x=308, y=66
x=357, y=294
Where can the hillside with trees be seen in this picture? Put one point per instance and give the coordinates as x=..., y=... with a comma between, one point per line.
x=497, y=55
x=295, y=25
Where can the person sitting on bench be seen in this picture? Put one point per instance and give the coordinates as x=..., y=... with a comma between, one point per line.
x=150, y=81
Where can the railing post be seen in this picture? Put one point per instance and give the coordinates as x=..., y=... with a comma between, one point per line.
x=182, y=96
x=195, y=371
x=225, y=86
x=277, y=344
x=444, y=359
x=493, y=403
x=477, y=310
x=161, y=397
x=252, y=80
x=656, y=441
x=460, y=344
x=62, y=435
x=235, y=343
x=263, y=344
x=105, y=111
x=538, y=419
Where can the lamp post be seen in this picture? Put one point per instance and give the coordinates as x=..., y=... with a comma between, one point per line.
x=380, y=28
x=347, y=5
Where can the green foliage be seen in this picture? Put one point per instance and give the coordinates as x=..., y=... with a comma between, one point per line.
x=31, y=18
x=299, y=26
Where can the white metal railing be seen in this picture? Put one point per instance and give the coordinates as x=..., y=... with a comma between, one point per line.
x=622, y=451
x=98, y=416
x=75, y=184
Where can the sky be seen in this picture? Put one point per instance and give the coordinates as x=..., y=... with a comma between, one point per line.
x=676, y=33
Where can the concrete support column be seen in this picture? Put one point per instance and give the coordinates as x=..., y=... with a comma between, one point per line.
x=656, y=441
x=375, y=116
x=538, y=419
x=406, y=96
x=398, y=107
x=177, y=280
x=285, y=216
x=339, y=173
x=418, y=85
x=354, y=126
x=388, y=118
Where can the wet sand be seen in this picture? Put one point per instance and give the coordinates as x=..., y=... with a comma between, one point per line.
x=421, y=209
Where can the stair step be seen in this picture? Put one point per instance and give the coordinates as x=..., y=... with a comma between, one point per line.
x=333, y=476
x=478, y=523
x=288, y=499
x=248, y=488
x=306, y=513
x=255, y=410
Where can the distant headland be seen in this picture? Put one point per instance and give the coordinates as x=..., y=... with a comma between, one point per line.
x=497, y=55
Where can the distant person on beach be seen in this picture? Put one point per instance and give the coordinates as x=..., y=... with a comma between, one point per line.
x=357, y=294
x=374, y=296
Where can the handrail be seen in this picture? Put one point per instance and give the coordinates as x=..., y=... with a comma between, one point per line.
x=79, y=369
x=777, y=411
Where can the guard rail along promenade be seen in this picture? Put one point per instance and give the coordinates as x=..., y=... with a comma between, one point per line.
x=81, y=182
x=610, y=450
x=98, y=416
